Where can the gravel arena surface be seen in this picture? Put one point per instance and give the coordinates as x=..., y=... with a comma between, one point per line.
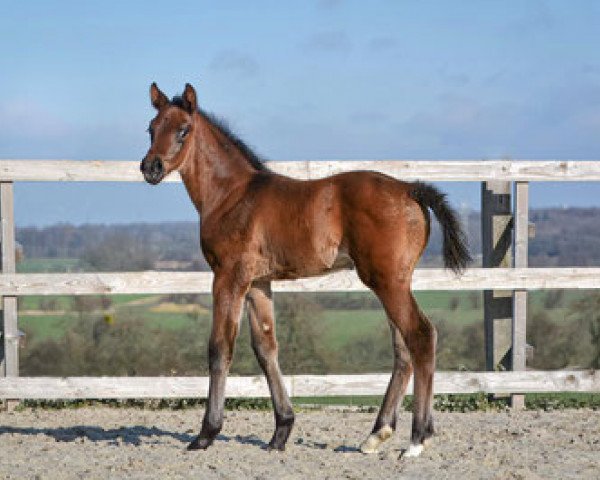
x=103, y=442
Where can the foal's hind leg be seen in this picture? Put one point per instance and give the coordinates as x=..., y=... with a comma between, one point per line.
x=422, y=347
x=420, y=338
x=228, y=296
x=264, y=343
x=388, y=414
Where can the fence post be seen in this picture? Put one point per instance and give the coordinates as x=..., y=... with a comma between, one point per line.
x=521, y=243
x=496, y=244
x=9, y=356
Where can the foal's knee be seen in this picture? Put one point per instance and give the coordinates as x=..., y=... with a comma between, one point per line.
x=433, y=334
x=220, y=355
x=402, y=359
x=423, y=339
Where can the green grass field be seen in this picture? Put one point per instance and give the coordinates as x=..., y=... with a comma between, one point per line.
x=47, y=326
x=48, y=265
x=171, y=321
x=339, y=326
x=343, y=326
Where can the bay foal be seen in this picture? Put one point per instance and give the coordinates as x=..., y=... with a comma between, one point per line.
x=258, y=226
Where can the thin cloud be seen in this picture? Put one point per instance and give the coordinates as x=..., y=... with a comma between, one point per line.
x=382, y=44
x=543, y=127
x=541, y=18
x=23, y=119
x=329, y=4
x=234, y=61
x=29, y=130
x=335, y=41
x=453, y=77
x=495, y=77
x=590, y=69
x=368, y=117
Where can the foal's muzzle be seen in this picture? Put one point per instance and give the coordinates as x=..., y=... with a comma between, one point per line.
x=153, y=170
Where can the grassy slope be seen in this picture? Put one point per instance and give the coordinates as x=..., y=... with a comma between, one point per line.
x=45, y=265
x=44, y=327
x=340, y=326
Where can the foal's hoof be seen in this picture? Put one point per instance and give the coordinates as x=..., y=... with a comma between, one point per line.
x=412, y=451
x=200, y=444
x=371, y=444
x=272, y=447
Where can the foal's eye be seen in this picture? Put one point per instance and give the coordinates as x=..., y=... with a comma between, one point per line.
x=182, y=133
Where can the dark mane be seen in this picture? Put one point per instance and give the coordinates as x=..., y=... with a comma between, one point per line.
x=221, y=125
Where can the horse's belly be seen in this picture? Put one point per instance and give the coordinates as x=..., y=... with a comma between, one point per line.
x=311, y=244
x=304, y=268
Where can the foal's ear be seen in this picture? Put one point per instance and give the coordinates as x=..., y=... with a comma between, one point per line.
x=189, y=99
x=158, y=98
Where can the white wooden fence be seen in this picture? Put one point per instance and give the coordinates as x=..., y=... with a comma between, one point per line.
x=519, y=280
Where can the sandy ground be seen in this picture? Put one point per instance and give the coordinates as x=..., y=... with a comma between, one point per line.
x=98, y=442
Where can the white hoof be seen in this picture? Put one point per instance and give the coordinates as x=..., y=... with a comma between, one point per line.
x=413, y=451
x=373, y=441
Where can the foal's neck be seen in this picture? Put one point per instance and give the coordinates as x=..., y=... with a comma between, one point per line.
x=216, y=168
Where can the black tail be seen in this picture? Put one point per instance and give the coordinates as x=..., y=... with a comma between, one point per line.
x=456, y=253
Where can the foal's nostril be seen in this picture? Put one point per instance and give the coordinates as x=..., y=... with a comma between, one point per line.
x=153, y=169
x=157, y=166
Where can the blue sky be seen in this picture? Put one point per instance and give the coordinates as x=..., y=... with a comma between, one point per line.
x=328, y=79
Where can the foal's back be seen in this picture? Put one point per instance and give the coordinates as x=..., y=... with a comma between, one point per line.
x=313, y=226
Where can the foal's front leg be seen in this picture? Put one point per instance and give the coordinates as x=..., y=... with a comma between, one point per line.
x=264, y=343
x=227, y=308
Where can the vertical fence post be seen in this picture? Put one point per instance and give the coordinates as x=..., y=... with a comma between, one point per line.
x=9, y=357
x=519, y=324
x=496, y=238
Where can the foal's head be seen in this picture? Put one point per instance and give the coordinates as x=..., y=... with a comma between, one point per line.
x=171, y=134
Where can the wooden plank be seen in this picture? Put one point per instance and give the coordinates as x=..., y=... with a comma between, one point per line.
x=453, y=382
x=10, y=357
x=496, y=243
x=520, y=382
x=71, y=171
x=152, y=282
x=521, y=209
x=519, y=320
x=297, y=385
x=449, y=170
x=149, y=282
x=7, y=218
x=430, y=170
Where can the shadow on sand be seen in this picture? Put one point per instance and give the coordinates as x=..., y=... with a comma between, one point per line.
x=136, y=435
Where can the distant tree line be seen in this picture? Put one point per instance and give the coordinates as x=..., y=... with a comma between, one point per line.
x=127, y=247
x=564, y=237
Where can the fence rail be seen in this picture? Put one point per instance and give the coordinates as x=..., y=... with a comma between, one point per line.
x=430, y=170
x=152, y=282
x=519, y=280
x=297, y=385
